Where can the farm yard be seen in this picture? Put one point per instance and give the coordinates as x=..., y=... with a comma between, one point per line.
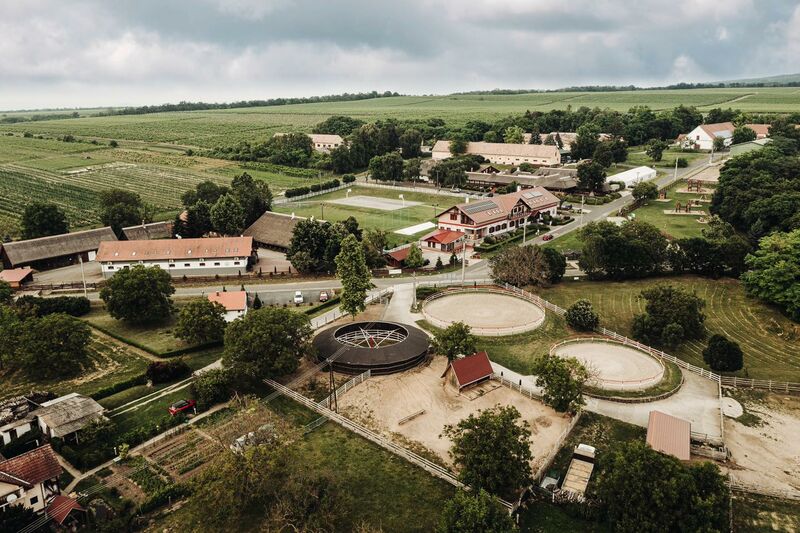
x=675, y=225
x=770, y=342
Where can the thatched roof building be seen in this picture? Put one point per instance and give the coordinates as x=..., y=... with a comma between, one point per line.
x=56, y=250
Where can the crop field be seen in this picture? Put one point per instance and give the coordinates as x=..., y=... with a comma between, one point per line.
x=321, y=207
x=770, y=342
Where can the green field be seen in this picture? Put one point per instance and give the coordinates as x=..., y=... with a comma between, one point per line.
x=676, y=226
x=321, y=207
x=771, y=342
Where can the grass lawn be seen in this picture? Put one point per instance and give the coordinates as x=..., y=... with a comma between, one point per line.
x=111, y=363
x=637, y=157
x=771, y=342
x=759, y=514
x=150, y=413
x=676, y=226
x=320, y=207
x=566, y=242
x=155, y=337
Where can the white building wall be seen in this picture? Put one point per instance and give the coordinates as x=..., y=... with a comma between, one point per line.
x=230, y=316
x=180, y=267
x=21, y=430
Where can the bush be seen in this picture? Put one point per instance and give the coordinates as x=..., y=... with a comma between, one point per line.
x=348, y=178
x=105, y=392
x=683, y=162
x=297, y=191
x=316, y=187
x=70, y=305
x=723, y=354
x=211, y=387
x=163, y=372
x=581, y=316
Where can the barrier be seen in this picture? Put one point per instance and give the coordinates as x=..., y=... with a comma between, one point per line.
x=346, y=387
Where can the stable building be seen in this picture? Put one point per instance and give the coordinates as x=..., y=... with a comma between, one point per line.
x=499, y=214
x=467, y=371
x=273, y=230
x=223, y=256
x=55, y=251
x=153, y=230
x=234, y=302
x=30, y=479
x=669, y=435
x=504, y=153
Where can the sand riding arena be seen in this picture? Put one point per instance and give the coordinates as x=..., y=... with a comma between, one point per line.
x=488, y=311
x=613, y=365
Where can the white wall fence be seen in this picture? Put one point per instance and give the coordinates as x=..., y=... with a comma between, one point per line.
x=517, y=386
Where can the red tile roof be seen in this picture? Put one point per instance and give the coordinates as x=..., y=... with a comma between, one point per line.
x=231, y=301
x=400, y=255
x=668, y=434
x=762, y=130
x=444, y=236
x=31, y=467
x=60, y=507
x=15, y=275
x=159, y=250
x=486, y=210
x=472, y=368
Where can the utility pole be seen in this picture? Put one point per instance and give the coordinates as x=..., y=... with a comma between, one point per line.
x=322, y=216
x=675, y=176
x=581, y=222
x=463, y=260
x=333, y=404
x=83, y=276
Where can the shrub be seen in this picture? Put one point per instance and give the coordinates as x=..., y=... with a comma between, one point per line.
x=316, y=187
x=70, y=305
x=723, y=354
x=683, y=162
x=581, y=316
x=212, y=386
x=348, y=178
x=165, y=371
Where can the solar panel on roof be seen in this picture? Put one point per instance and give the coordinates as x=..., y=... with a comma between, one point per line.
x=532, y=194
x=480, y=206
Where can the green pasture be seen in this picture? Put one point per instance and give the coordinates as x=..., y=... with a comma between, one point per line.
x=770, y=341
x=676, y=226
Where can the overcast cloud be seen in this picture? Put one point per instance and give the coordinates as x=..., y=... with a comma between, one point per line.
x=63, y=53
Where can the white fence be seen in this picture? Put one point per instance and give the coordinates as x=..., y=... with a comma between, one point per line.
x=337, y=313
x=517, y=386
x=346, y=387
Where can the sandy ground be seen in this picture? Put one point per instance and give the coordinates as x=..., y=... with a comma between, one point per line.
x=70, y=274
x=614, y=366
x=767, y=454
x=381, y=402
x=486, y=310
x=372, y=202
x=271, y=261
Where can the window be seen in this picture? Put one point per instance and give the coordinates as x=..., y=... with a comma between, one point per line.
x=216, y=264
x=453, y=216
x=187, y=264
x=202, y=264
x=237, y=263
x=172, y=265
x=34, y=500
x=111, y=267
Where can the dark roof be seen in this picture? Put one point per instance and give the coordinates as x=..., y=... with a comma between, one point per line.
x=68, y=414
x=31, y=467
x=25, y=252
x=472, y=368
x=273, y=229
x=143, y=232
x=60, y=507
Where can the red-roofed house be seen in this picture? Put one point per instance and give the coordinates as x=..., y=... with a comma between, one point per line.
x=467, y=371
x=30, y=479
x=395, y=258
x=62, y=508
x=498, y=214
x=235, y=303
x=702, y=137
x=445, y=240
x=16, y=276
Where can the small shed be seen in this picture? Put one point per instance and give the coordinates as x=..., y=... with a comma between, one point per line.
x=467, y=371
x=395, y=258
x=669, y=434
x=65, y=511
x=234, y=302
x=66, y=415
x=16, y=276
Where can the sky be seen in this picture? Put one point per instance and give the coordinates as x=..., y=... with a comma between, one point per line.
x=97, y=53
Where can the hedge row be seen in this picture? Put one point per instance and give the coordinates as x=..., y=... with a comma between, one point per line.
x=168, y=354
x=105, y=392
x=301, y=191
x=332, y=302
x=71, y=305
x=515, y=237
x=281, y=169
x=593, y=200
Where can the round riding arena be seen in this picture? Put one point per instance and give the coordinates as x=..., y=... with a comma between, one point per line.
x=613, y=365
x=488, y=312
x=381, y=347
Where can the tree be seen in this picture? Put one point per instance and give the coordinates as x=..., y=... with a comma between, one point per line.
x=591, y=176
x=536, y=135
x=672, y=315
x=647, y=491
x=266, y=343
x=412, y=169
x=581, y=316
x=556, y=264
x=120, y=208
x=139, y=294
x=6, y=293
x=411, y=143
x=635, y=249
x=375, y=241
x=352, y=270
x=458, y=146
x=10, y=333
x=645, y=190
x=198, y=220
x=17, y=517
x=619, y=150
x=257, y=302
x=253, y=196
x=414, y=259
x=562, y=381
x=315, y=245
x=456, y=339
x=475, y=512
x=211, y=387
x=718, y=144
x=514, y=135
x=113, y=144
x=655, y=149
x=201, y=321
x=40, y=219
x=54, y=346
x=723, y=354
x=501, y=468
x=774, y=272
x=586, y=141
x=228, y=216
x=387, y=167
x=338, y=125
x=603, y=154
x=743, y=134
x=520, y=266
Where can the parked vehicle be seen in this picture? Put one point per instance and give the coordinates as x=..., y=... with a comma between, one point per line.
x=181, y=406
x=547, y=237
x=323, y=296
x=298, y=297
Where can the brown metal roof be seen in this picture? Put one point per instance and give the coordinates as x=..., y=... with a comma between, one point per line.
x=24, y=252
x=160, y=250
x=273, y=229
x=668, y=434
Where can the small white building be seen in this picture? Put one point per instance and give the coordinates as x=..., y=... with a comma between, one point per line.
x=180, y=257
x=633, y=176
x=235, y=303
x=30, y=479
x=323, y=142
x=504, y=153
x=65, y=416
x=702, y=137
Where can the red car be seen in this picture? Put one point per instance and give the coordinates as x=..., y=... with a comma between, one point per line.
x=547, y=237
x=181, y=406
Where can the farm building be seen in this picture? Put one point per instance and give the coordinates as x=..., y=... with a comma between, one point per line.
x=235, y=303
x=273, y=230
x=395, y=258
x=16, y=419
x=180, y=257
x=668, y=434
x=154, y=230
x=65, y=416
x=505, y=153
x=702, y=137
x=444, y=240
x=499, y=214
x=16, y=276
x=55, y=251
x=30, y=479
x=566, y=138
x=555, y=179
x=470, y=370
x=633, y=176
x=743, y=148
x=66, y=512
x=322, y=142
